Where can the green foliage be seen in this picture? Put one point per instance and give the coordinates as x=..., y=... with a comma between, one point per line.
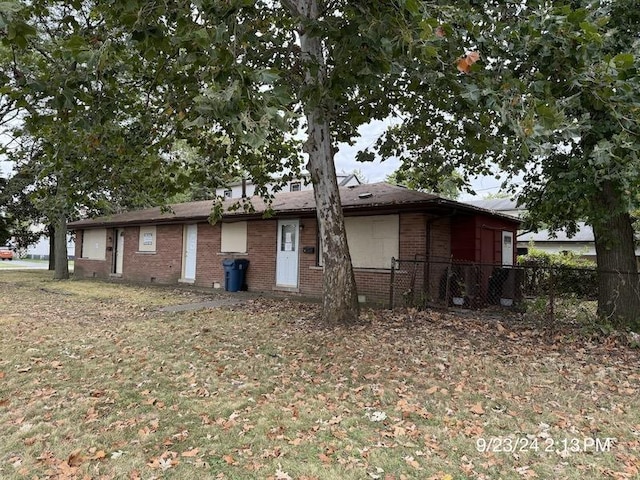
x=559, y=274
x=20, y=214
x=553, y=100
x=444, y=183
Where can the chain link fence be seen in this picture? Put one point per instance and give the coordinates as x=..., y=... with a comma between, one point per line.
x=447, y=283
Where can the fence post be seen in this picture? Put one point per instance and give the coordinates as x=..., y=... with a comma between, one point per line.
x=426, y=282
x=550, y=309
x=392, y=282
x=447, y=288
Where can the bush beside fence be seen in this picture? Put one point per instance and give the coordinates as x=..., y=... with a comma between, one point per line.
x=443, y=282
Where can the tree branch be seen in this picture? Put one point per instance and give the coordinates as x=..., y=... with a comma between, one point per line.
x=291, y=6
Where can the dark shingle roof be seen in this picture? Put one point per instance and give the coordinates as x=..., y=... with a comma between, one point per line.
x=372, y=196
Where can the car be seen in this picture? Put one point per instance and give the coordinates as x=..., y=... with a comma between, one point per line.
x=6, y=253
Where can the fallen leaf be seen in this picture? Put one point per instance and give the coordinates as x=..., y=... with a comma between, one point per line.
x=190, y=453
x=477, y=409
x=165, y=464
x=412, y=462
x=75, y=459
x=99, y=455
x=282, y=475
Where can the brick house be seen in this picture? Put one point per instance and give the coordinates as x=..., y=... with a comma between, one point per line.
x=382, y=221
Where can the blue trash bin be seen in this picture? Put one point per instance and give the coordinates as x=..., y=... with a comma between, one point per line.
x=234, y=273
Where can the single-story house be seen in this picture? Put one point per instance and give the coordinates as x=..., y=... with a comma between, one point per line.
x=383, y=221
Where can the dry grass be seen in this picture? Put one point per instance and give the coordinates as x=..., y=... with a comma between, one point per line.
x=96, y=382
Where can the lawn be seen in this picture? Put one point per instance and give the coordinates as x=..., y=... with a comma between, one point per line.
x=97, y=382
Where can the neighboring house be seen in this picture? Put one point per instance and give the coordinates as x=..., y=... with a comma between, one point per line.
x=298, y=184
x=382, y=221
x=40, y=249
x=582, y=243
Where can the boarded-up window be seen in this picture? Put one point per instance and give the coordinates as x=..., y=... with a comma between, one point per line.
x=233, y=237
x=147, y=240
x=372, y=240
x=94, y=244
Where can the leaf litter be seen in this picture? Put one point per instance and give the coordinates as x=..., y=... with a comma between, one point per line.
x=100, y=384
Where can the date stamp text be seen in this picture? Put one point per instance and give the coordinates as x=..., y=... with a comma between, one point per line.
x=560, y=446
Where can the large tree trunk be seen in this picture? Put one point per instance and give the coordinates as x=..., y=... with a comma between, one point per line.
x=51, y=232
x=339, y=297
x=62, y=260
x=618, y=281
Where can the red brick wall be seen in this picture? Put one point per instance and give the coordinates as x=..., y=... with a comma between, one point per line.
x=162, y=266
x=373, y=284
x=261, y=248
x=261, y=245
x=84, y=268
x=165, y=265
x=208, y=255
x=310, y=277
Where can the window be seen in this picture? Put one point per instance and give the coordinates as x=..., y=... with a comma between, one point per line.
x=147, y=240
x=228, y=193
x=94, y=244
x=507, y=248
x=233, y=237
x=372, y=240
x=295, y=186
x=288, y=237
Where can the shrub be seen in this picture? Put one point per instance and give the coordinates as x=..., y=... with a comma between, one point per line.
x=564, y=273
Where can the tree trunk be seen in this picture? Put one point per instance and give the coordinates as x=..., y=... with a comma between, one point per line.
x=62, y=261
x=618, y=281
x=339, y=296
x=51, y=232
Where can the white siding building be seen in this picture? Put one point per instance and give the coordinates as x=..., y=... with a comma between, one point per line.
x=295, y=185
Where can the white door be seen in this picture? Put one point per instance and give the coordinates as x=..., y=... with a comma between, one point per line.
x=507, y=248
x=189, y=252
x=287, y=255
x=118, y=264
